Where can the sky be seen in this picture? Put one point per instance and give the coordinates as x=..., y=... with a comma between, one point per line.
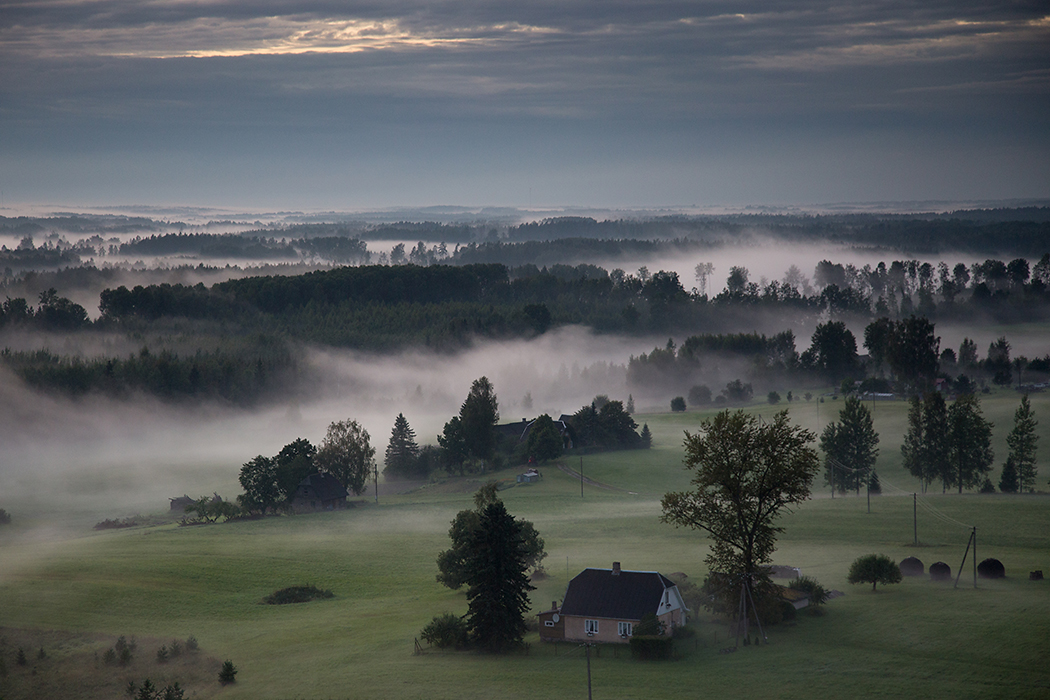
x=322, y=105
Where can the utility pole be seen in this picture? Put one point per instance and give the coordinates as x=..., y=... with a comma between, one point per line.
x=915, y=515
x=581, y=476
x=588, y=645
x=375, y=476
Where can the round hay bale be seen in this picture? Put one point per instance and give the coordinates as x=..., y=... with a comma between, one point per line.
x=939, y=571
x=991, y=568
x=912, y=566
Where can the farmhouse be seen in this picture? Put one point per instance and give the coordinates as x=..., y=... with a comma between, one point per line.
x=519, y=432
x=319, y=492
x=604, y=605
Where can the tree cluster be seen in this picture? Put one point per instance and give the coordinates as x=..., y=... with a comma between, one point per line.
x=270, y=483
x=950, y=444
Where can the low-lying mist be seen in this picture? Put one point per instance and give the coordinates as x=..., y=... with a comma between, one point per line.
x=72, y=460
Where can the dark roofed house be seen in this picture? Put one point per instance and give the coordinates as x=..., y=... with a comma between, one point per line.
x=519, y=432
x=319, y=492
x=604, y=605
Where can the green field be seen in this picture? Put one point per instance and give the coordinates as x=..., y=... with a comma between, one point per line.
x=75, y=594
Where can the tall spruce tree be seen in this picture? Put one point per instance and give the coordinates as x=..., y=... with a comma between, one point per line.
x=970, y=442
x=402, y=452
x=478, y=416
x=1022, y=442
x=850, y=447
x=499, y=586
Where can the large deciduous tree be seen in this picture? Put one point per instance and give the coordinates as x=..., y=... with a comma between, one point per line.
x=913, y=352
x=926, y=446
x=850, y=447
x=261, y=490
x=498, y=593
x=969, y=442
x=347, y=455
x=294, y=463
x=833, y=350
x=1022, y=443
x=746, y=473
x=874, y=569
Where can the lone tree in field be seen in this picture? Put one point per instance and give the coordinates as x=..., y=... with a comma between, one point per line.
x=454, y=564
x=478, y=417
x=746, y=473
x=874, y=568
x=499, y=585
x=850, y=447
x=1022, y=441
x=347, y=455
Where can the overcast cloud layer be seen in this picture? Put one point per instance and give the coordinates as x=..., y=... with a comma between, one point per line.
x=362, y=104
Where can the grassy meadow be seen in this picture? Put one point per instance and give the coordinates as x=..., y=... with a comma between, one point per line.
x=75, y=594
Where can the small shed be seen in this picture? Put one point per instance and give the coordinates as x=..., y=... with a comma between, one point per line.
x=319, y=492
x=529, y=476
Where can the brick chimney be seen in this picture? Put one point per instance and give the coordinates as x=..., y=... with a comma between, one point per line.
x=616, y=568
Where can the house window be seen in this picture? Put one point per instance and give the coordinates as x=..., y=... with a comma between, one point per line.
x=548, y=623
x=624, y=629
x=590, y=626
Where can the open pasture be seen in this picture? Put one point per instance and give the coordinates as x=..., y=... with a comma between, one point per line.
x=917, y=638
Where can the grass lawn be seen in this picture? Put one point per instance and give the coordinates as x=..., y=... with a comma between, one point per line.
x=74, y=594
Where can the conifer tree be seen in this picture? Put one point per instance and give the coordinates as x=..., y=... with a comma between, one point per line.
x=499, y=586
x=1008, y=479
x=1022, y=441
x=647, y=437
x=402, y=453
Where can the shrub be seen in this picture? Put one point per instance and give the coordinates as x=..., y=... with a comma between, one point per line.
x=297, y=594
x=648, y=648
x=649, y=626
x=991, y=568
x=699, y=396
x=228, y=673
x=939, y=571
x=447, y=630
x=41, y=655
x=175, y=648
x=787, y=611
x=818, y=595
x=162, y=655
x=912, y=567
x=191, y=643
x=109, y=657
x=5, y=517
x=20, y=657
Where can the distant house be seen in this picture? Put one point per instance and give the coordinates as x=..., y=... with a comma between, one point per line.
x=319, y=492
x=529, y=476
x=519, y=432
x=604, y=605
x=179, y=503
